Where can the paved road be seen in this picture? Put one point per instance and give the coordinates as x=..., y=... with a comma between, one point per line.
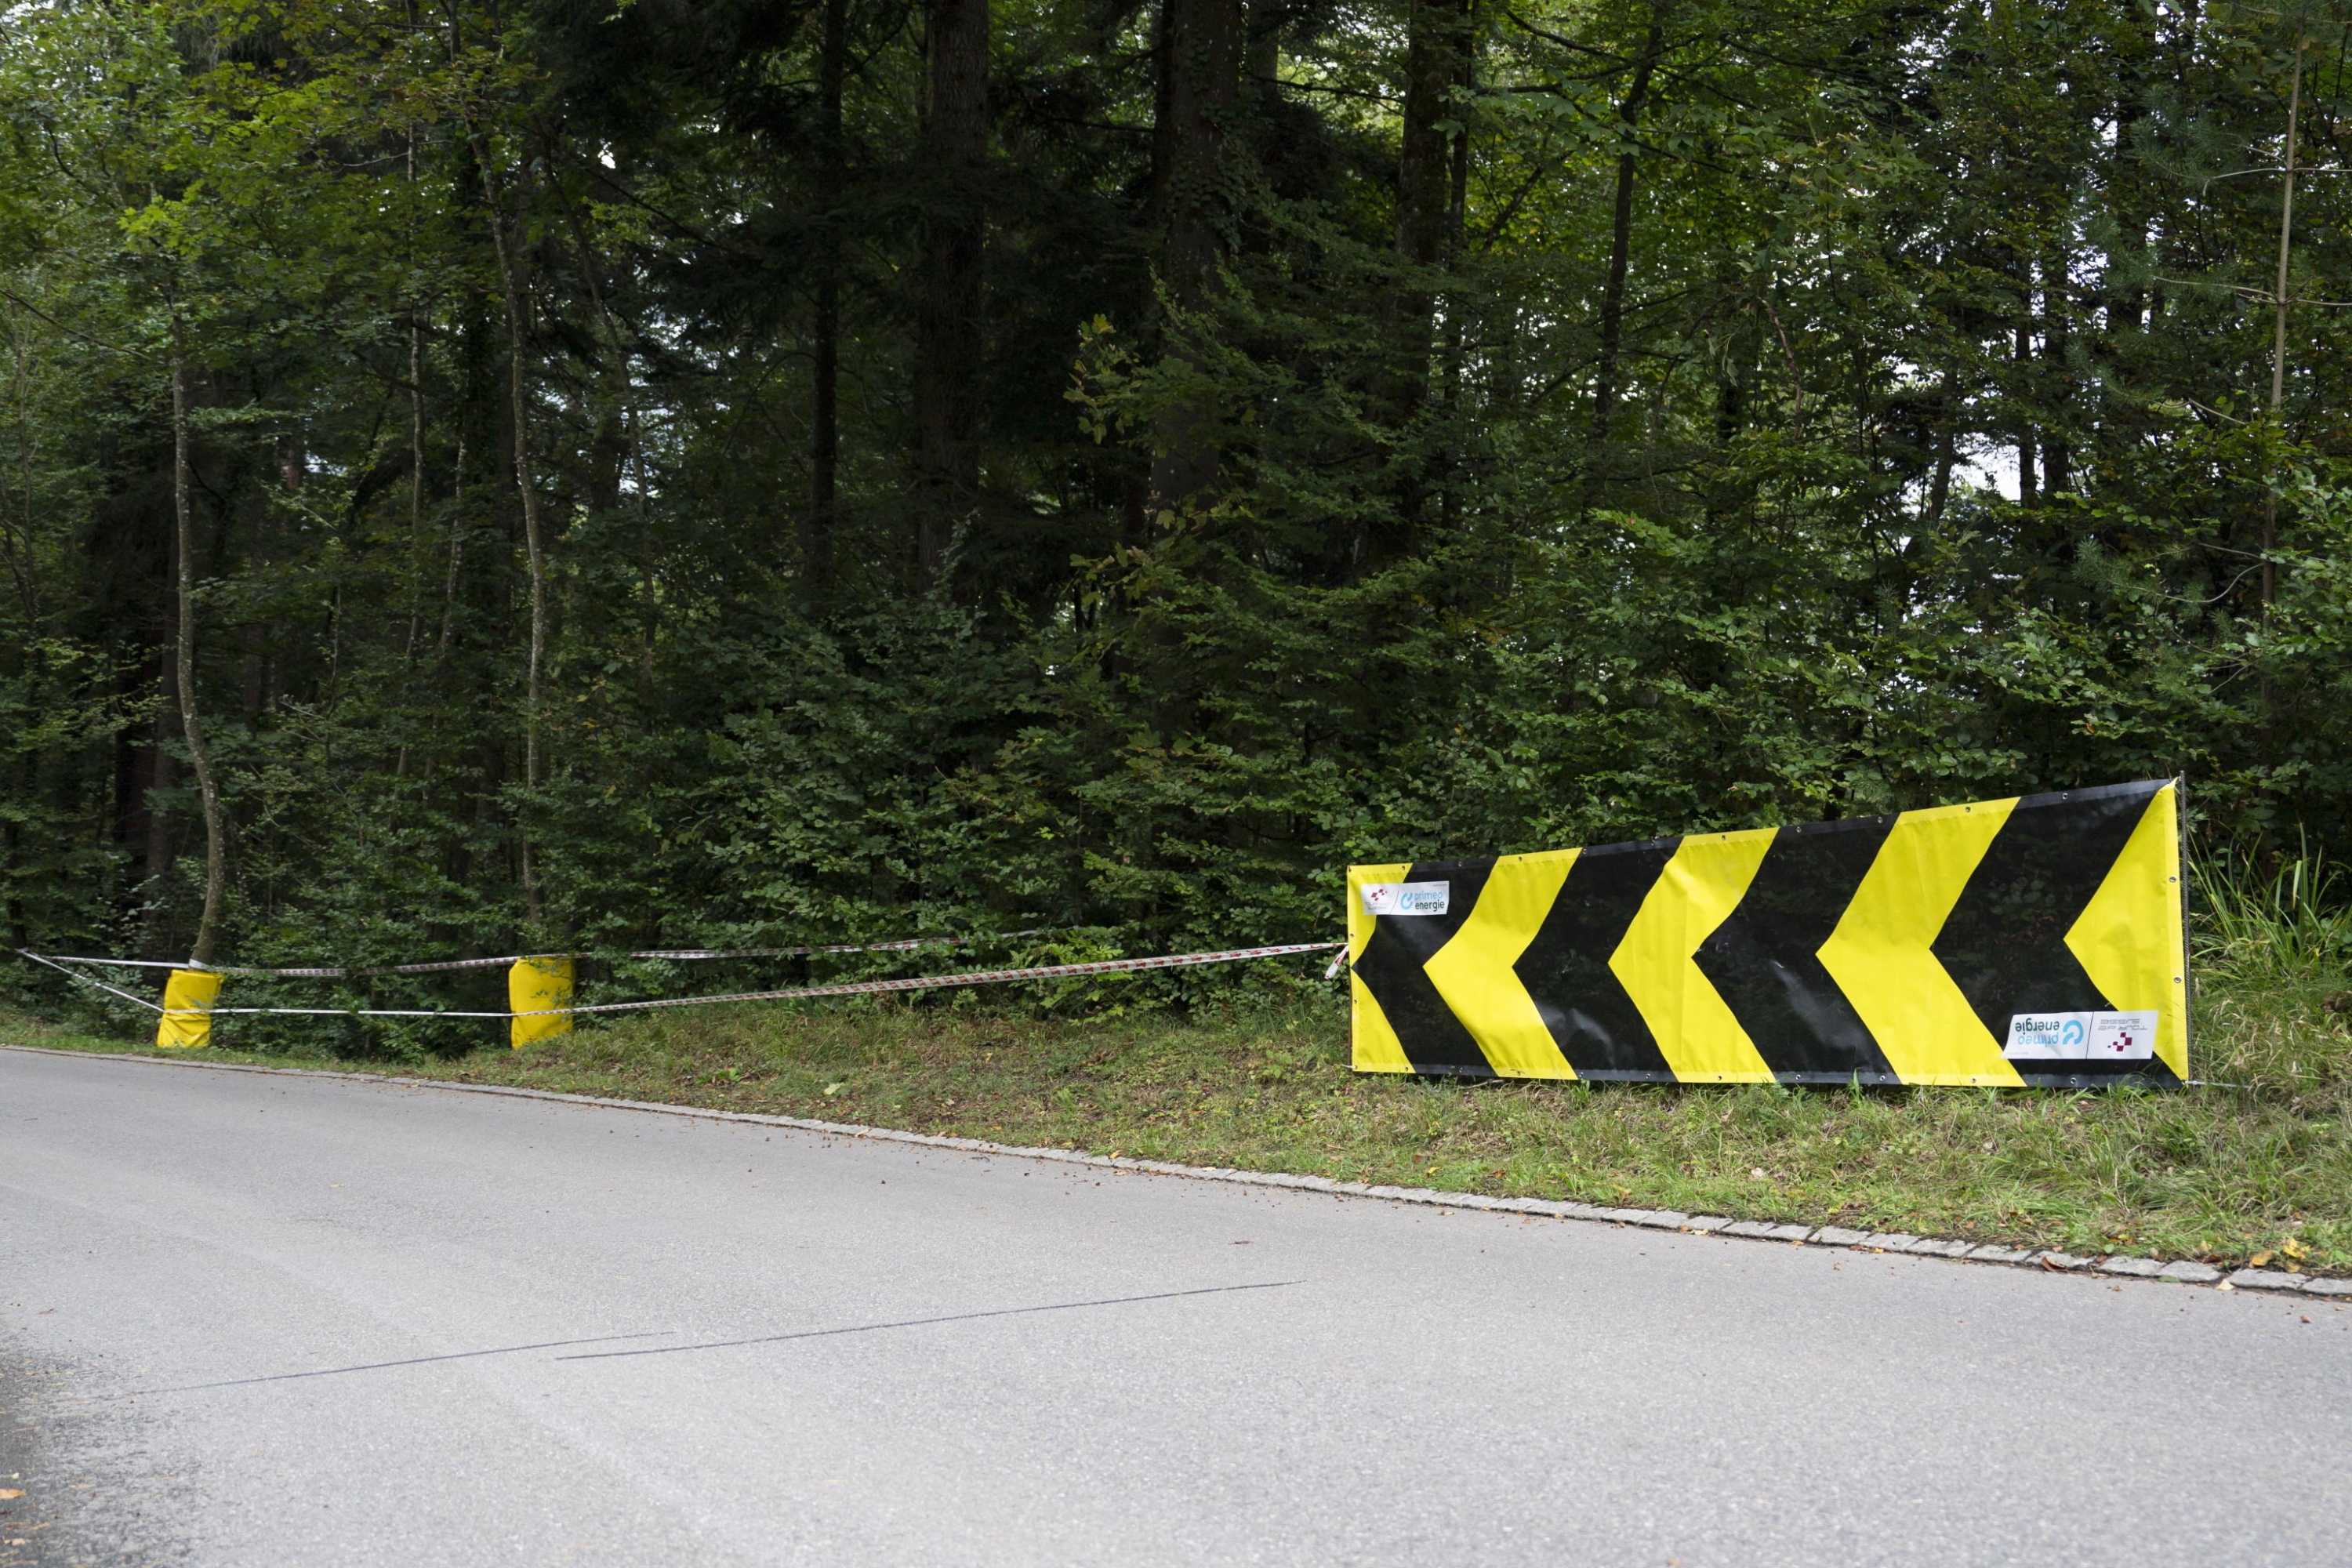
x=250, y=1320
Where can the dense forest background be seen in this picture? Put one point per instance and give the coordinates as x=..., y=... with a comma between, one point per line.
x=478, y=477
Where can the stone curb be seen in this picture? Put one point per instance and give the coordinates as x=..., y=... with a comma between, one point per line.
x=2184, y=1271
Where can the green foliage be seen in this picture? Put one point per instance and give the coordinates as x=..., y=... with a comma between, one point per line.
x=2280, y=925
x=1257, y=1079
x=1443, y=596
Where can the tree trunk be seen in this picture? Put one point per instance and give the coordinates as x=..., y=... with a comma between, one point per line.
x=518, y=393
x=1430, y=162
x=1200, y=72
x=1436, y=49
x=156, y=865
x=949, y=343
x=648, y=597
x=1457, y=218
x=1947, y=409
x=2280, y=302
x=456, y=562
x=825, y=432
x=415, y=426
x=2126, y=305
x=416, y=509
x=824, y=391
x=1262, y=49
x=1621, y=234
x=2028, y=483
x=633, y=454
x=2057, y=457
x=184, y=666
x=415, y=466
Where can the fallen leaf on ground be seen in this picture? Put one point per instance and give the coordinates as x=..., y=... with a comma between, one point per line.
x=5, y=1493
x=2261, y=1260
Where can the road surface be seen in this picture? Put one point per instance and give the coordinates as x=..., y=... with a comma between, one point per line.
x=248, y=1320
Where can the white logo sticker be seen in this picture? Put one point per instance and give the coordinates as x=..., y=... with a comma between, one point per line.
x=1406, y=898
x=2081, y=1037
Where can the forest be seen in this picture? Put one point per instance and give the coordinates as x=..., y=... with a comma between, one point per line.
x=491, y=477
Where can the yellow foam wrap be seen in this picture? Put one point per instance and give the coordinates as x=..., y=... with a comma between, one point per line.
x=189, y=997
x=534, y=984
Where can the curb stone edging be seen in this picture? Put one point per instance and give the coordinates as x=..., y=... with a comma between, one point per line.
x=2266, y=1279
x=2187, y=1271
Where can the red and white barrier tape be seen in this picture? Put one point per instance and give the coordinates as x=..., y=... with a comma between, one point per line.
x=854, y=988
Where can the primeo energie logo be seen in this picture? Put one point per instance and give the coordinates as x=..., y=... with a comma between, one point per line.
x=1407, y=897
x=2081, y=1037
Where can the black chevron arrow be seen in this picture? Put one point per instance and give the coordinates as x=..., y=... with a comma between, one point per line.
x=1566, y=968
x=2004, y=943
x=1761, y=960
x=1390, y=968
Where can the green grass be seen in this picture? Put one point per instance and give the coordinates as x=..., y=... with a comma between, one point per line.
x=2260, y=1164
x=2220, y=1173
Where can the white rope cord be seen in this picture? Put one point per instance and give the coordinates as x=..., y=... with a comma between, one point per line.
x=978, y=977
x=853, y=988
x=455, y=963
x=899, y=946
x=76, y=974
x=283, y=974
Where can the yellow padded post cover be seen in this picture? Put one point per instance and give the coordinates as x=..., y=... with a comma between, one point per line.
x=188, y=999
x=534, y=985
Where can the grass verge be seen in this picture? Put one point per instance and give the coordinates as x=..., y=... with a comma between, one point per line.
x=2223, y=1174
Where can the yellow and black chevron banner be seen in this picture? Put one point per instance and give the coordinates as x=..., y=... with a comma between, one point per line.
x=2035, y=941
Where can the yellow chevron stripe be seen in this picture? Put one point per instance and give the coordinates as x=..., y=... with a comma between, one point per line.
x=1879, y=955
x=1373, y=1045
x=1695, y=1030
x=2129, y=940
x=1473, y=972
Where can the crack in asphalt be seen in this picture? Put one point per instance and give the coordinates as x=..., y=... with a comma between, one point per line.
x=384, y=1365
x=920, y=1322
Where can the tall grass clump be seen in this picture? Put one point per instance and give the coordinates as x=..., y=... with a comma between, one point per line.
x=2270, y=942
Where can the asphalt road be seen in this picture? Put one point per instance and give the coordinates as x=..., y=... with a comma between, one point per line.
x=250, y=1320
